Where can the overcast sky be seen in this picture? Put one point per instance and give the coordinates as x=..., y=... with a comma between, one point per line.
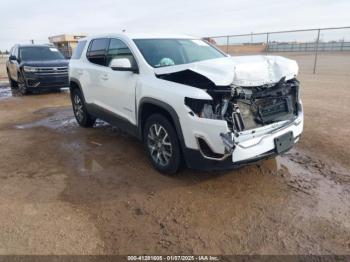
x=23, y=20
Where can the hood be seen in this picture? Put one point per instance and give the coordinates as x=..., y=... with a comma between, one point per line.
x=49, y=63
x=240, y=70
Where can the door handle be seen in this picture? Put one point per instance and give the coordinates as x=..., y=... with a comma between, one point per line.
x=104, y=77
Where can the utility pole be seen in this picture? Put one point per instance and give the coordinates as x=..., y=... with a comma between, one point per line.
x=227, y=43
x=267, y=43
x=316, y=49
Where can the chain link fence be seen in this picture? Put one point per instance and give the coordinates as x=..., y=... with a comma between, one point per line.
x=322, y=50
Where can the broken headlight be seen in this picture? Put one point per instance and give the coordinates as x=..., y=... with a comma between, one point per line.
x=198, y=106
x=209, y=108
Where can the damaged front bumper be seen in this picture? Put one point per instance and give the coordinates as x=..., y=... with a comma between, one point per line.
x=220, y=150
x=261, y=144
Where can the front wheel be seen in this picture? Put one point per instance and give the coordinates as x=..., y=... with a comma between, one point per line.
x=13, y=84
x=162, y=144
x=82, y=116
x=22, y=87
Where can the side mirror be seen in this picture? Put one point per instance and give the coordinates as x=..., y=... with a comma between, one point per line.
x=122, y=64
x=12, y=58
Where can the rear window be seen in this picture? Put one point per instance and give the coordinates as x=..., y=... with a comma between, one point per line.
x=42, y=53
x=97, y=51
x=99, y=44
x=79, y=50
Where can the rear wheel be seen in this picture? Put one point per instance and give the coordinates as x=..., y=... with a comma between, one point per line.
x=162, y=144
x=82, y=116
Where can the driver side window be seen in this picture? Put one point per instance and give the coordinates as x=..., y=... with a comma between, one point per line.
x=118, y=49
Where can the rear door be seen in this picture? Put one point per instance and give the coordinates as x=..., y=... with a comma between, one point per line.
x=95, y=72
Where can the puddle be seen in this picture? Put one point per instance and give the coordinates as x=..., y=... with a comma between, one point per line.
x=326, y=190
x=5, y=90
x=89, y=166
x=57, y=119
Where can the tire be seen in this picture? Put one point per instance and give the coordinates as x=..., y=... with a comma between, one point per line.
x=82, y=116
x=13, y=84
x=22, y=87
x=162, y=144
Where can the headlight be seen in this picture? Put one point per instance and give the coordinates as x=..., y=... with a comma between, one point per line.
x=197, y=105
x=30, y=69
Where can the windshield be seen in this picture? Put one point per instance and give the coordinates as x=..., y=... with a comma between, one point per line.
x=41, y=53
x=168, y=52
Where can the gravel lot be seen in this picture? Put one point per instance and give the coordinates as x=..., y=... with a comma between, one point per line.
x=69, y=190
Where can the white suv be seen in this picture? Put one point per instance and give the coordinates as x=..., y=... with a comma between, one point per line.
x=186, y=100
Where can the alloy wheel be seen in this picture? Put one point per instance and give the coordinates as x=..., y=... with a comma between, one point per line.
x=159, y=144
x=78, y=108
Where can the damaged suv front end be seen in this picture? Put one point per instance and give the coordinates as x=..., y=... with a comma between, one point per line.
x=254, y=112
x=248, y=107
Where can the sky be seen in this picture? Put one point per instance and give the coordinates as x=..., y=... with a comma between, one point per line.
x=22, y=20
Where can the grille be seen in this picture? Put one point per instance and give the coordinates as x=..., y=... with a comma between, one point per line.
x=52, y=70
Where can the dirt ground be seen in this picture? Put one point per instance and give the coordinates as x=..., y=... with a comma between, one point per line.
x=69, y=190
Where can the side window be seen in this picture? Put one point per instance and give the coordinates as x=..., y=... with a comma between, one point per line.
x=97, y=51
x=78, y=50
x=15, y=52
x=118, y=49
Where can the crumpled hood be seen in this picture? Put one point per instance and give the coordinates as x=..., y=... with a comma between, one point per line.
x=240, y=70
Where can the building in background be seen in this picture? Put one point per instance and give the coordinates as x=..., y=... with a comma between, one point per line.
x=66, y=43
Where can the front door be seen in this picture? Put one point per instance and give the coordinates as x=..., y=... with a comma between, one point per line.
x=120, y=86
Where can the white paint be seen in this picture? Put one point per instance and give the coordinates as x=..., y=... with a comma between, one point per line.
x=240, y=70
x=117, y=91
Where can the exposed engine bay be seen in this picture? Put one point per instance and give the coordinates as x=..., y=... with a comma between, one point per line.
x=248, y=108
x=243, y=108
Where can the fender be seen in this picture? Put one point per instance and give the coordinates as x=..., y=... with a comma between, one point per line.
x=186, y=152
x=77, y=82
x=168, y=108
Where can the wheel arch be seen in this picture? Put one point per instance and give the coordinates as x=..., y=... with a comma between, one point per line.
x=75, y=84
x=149, y=106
